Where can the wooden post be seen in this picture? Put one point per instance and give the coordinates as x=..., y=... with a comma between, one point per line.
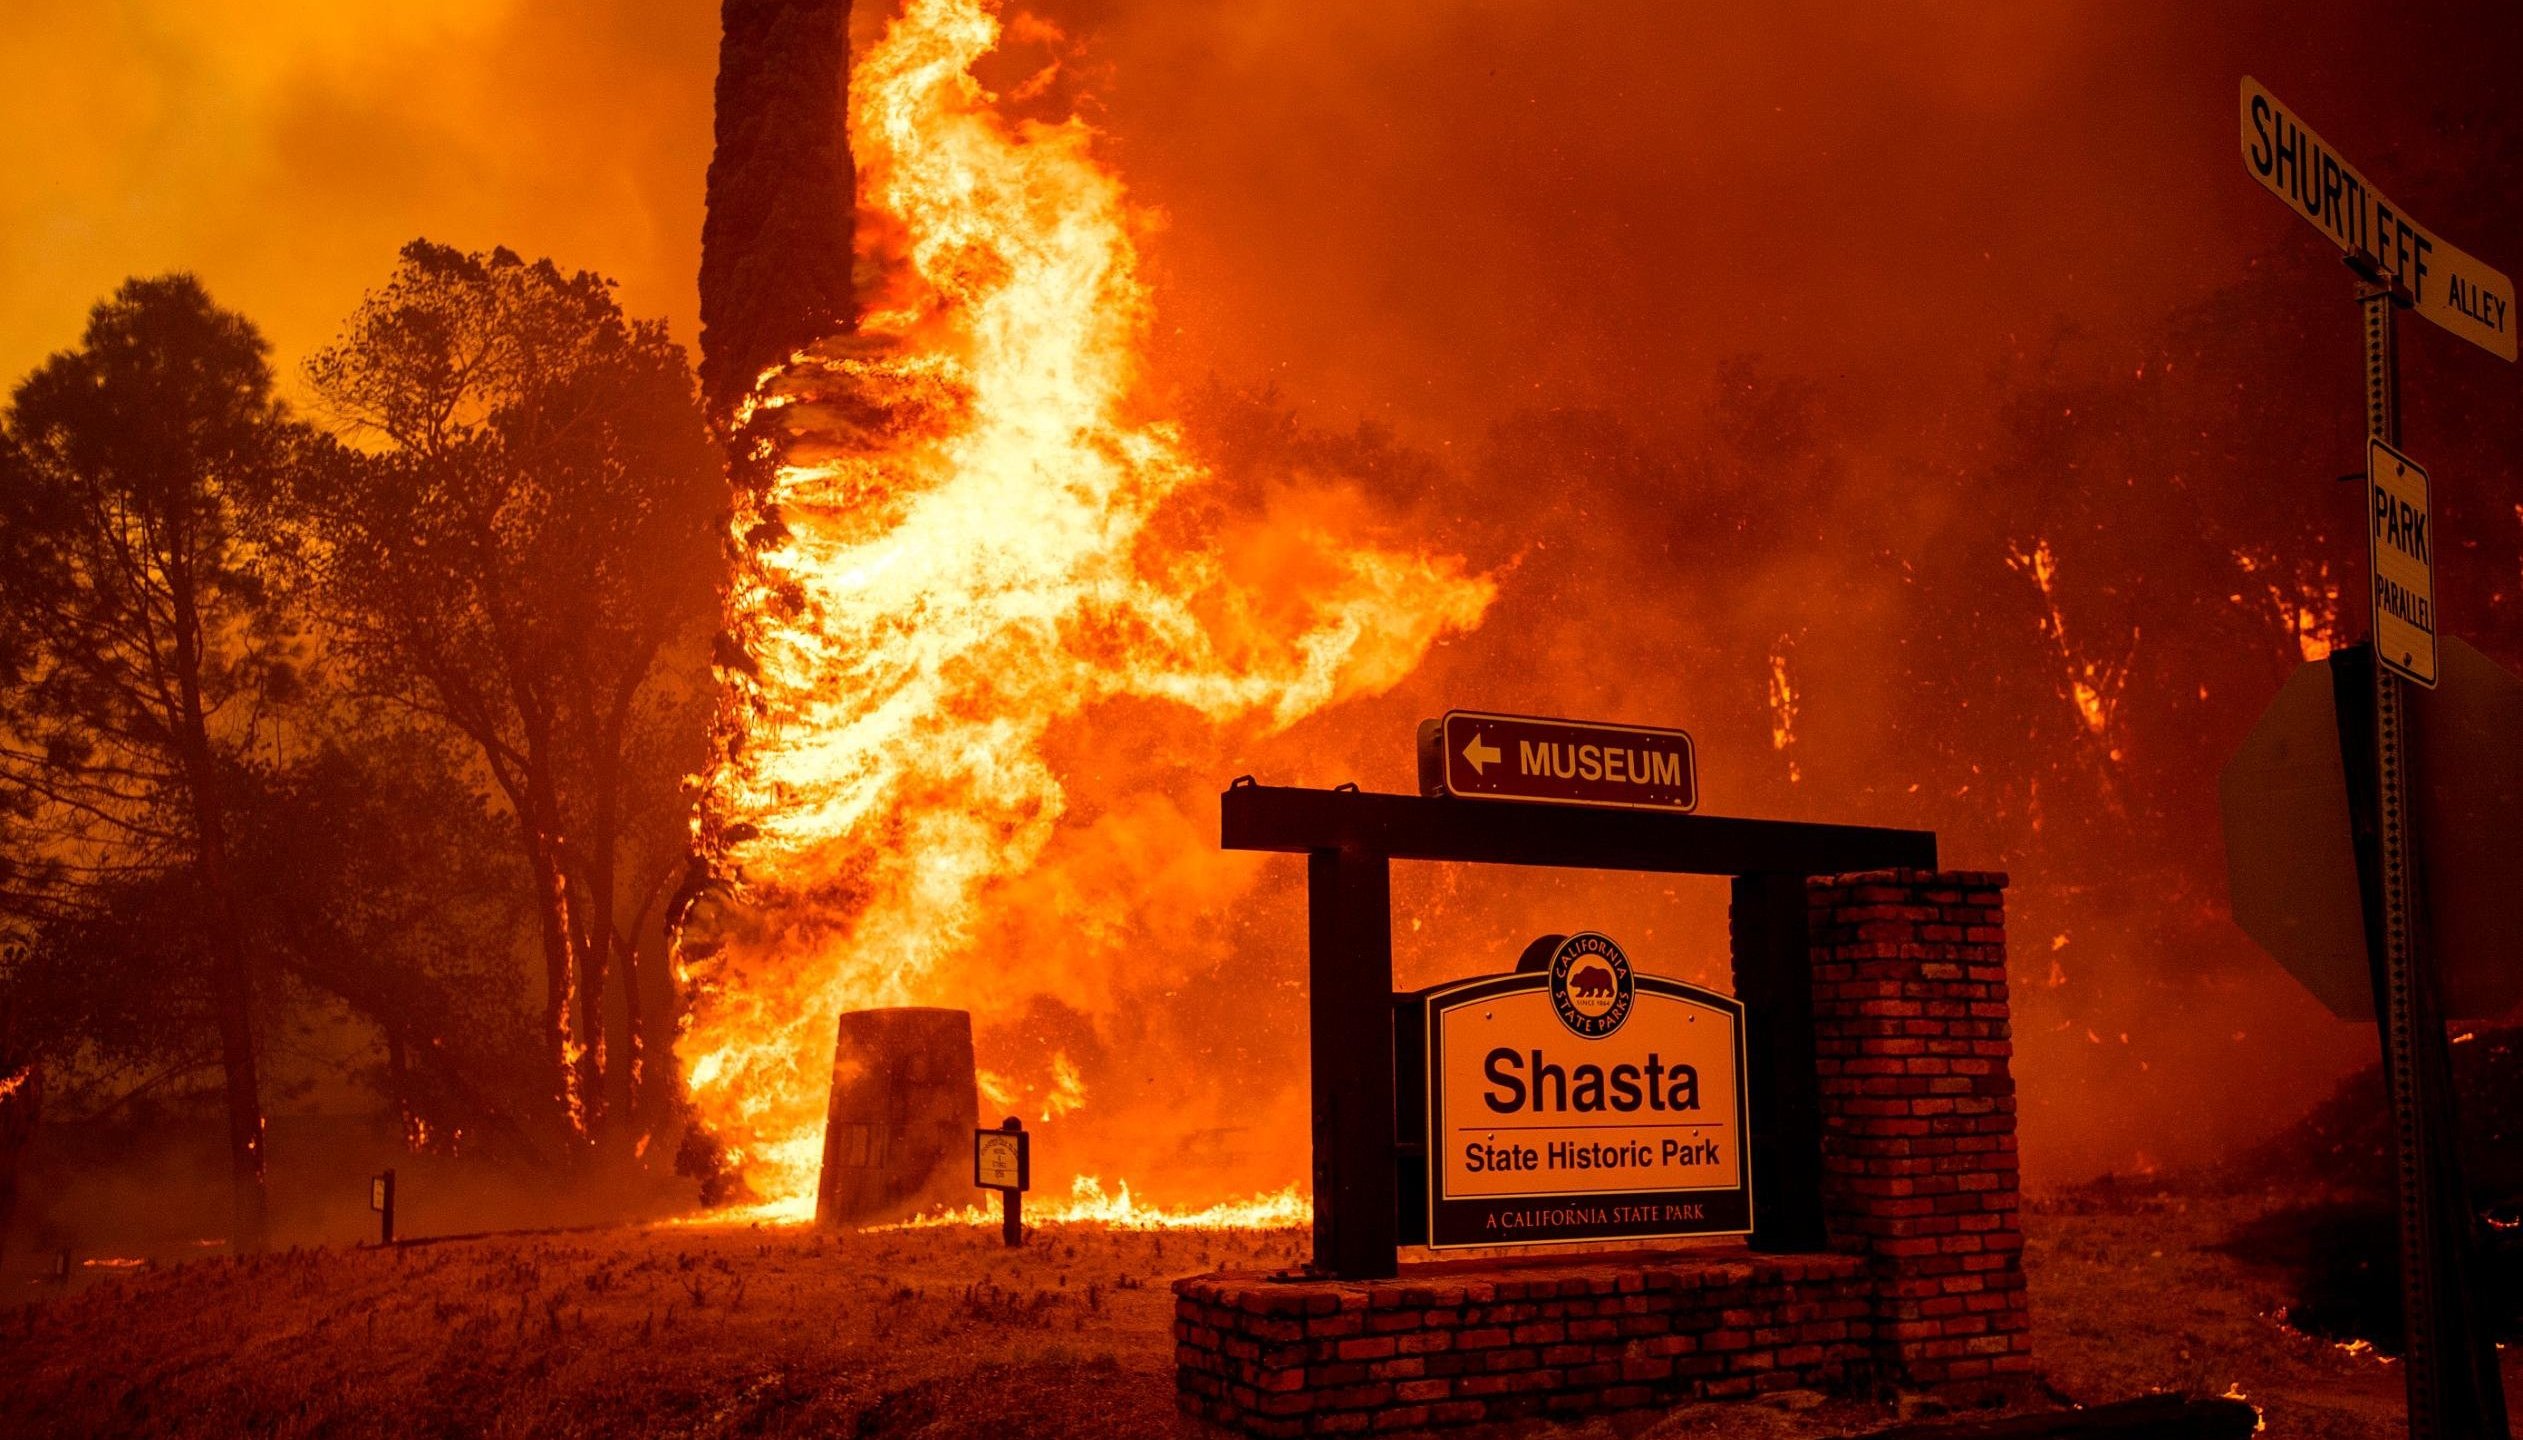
x=1012, y=1198
x=1771, y=936
x=1350, y=945
x=385, y=1208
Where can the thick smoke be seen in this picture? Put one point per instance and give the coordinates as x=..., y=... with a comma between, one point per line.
x=1532, y=242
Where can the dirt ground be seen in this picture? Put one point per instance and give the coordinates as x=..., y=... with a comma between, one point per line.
x=940, y=1332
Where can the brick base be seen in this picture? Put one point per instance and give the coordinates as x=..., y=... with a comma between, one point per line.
x=1457, y=1342
x=1913, y=1046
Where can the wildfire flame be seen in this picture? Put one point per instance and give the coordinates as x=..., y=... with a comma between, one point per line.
x=1783, y=709
x=2093, y=685
x=1087, y=1204
x=951, y=547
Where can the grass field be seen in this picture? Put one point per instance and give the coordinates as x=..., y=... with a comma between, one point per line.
x=940, y=1332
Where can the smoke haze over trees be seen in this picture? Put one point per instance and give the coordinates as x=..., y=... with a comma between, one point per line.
x=1973, y=470
x=309, y=743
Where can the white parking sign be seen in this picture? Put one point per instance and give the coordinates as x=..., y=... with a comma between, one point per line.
x=2401, y=552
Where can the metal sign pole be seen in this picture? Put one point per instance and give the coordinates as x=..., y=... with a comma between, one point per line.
x=2454, y=1388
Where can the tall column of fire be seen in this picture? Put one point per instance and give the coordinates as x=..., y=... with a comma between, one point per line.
x=956, y=531
x=776, y=257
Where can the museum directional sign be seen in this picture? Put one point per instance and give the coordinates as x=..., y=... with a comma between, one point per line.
x=2446, y=285
x=1477, y=755
x=1583, y=1101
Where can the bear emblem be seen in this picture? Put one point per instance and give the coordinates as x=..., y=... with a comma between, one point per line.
x=1591, y=981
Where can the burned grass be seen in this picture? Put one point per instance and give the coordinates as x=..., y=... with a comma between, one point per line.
x=689, y=1331
x=939, y=1332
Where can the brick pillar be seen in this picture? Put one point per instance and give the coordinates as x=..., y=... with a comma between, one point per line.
x=1918, y=1114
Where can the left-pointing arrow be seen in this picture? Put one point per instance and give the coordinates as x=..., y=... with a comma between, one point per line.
x=1481, y=753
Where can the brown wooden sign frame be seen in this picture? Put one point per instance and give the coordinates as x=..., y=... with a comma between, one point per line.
x=1350, y=839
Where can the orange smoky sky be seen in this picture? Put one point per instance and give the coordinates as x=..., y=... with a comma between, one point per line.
x=283, y=149
x=1423, y=213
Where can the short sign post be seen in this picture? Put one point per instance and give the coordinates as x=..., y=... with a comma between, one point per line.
x=1583, y=1102
x=381, y=1200
x=1476, y=755
x=1003, y=1160
x=2401, y=560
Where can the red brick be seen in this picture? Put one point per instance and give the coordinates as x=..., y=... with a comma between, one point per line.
x=1542, y=1332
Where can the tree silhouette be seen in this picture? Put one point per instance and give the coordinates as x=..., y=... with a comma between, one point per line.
x=142, y=642
x=380, y=880
x=527, y=549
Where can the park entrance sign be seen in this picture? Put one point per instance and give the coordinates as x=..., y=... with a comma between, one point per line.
x=1566, y=1098
x=1368, y=1044
x=1584, y=1102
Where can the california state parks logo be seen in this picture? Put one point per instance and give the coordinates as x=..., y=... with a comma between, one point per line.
x=1590, y=984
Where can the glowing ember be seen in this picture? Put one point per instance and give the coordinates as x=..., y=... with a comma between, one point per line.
x=2260, y=1417
x=2306, y=605
x=954, y=550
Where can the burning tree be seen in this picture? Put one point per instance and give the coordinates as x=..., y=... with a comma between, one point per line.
x=953, y=539
x=775, y=243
